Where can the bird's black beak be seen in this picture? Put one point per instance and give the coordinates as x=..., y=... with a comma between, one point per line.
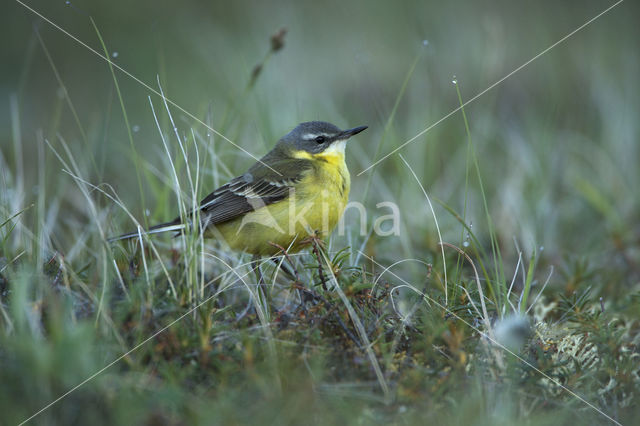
x=346, y=134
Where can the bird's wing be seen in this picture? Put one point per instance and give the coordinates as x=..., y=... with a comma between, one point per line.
x=257, y=188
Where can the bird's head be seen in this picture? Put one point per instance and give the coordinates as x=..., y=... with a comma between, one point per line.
x=316, y=137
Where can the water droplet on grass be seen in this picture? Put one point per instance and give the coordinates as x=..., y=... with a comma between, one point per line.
x=114, y=54
x=454, y=80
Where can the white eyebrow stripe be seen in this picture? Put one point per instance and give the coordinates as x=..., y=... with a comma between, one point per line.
x=309, y=136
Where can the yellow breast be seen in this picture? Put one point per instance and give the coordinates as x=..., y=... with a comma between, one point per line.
x=314, y=207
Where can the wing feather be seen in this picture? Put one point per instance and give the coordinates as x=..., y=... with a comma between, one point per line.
x=255, y=189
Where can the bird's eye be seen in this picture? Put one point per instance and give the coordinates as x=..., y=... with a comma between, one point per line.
x=320, y=139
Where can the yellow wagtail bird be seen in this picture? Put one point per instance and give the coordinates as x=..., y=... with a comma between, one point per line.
x=300, y=188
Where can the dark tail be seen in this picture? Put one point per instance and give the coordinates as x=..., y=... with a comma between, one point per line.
x=174, y=225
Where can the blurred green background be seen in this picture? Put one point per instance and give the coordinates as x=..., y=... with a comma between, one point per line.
x=554, y=140
x=557, y=142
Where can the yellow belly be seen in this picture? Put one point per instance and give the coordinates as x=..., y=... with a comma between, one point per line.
x=315, y=207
